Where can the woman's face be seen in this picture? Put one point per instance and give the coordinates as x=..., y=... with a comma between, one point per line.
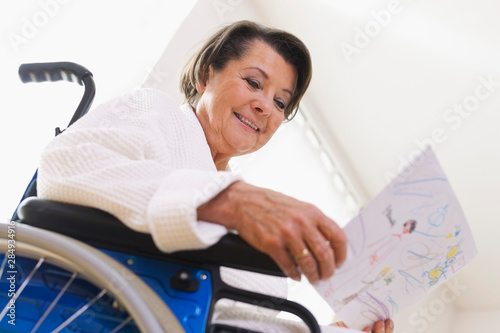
x=242, y=106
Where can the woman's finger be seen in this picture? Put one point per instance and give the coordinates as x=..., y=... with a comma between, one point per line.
x=305, y=259
x=322, y=253
x=286, y=263
x=389, y=326
x=381, y=326
x=339, y=324
x=337, y=238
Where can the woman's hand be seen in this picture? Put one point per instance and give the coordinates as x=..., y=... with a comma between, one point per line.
x=386, y=326
x=294, y=233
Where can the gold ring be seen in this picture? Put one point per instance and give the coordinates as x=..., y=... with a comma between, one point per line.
x=302, y=254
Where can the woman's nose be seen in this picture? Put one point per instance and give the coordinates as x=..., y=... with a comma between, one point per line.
x=262, y=106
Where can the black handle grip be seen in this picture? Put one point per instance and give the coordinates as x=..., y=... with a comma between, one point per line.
x=57, y=71
x=53, y=71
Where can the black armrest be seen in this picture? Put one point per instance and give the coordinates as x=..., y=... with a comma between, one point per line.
x=103, y=230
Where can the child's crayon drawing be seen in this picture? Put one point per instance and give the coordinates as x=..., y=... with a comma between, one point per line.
x=412, y=237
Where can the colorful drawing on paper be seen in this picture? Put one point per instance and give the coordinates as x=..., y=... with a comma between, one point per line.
x=411, y=238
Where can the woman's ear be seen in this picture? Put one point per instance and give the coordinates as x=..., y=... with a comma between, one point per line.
x=204, y=79
x=200, y=87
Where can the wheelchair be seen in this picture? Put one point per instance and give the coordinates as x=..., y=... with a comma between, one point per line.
x=70, y=268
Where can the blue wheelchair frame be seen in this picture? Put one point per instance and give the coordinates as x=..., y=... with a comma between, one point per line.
x=188, y=281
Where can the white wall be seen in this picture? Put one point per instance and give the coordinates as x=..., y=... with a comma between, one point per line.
x=429, y=316
x=379, y=103
x=118, y=41
x=484, y=321
x=204, y=19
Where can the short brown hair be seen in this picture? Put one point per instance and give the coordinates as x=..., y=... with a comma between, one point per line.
x=231, y=43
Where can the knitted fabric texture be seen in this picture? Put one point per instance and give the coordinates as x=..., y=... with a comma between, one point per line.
x=146, y=161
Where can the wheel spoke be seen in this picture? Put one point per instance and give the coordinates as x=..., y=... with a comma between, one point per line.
x=54, y=302
x=21, y=288
x=79, y=312
x=122, y=325
x=3, y=264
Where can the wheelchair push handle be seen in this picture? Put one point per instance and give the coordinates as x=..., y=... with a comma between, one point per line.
x=58, y=71
x=53, y=71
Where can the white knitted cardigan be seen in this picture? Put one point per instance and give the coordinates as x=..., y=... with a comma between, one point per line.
x=143, y=159
x=146, y=161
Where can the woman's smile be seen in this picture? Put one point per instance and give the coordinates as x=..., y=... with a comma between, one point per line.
x=247, y=124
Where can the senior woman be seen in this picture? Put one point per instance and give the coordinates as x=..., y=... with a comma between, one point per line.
x=163, y=169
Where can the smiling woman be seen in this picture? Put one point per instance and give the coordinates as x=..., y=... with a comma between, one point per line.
x=242, y=106
x=146, y=160
x=232, y=43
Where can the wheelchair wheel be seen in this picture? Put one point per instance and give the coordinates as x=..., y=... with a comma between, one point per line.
x=53, y=283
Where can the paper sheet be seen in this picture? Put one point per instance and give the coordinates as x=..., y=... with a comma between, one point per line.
x=411, y=238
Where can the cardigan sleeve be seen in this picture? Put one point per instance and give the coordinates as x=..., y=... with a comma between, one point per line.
x=136, y=158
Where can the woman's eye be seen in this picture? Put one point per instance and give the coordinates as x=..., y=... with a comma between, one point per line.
x=280, y=104
x=254, y=84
